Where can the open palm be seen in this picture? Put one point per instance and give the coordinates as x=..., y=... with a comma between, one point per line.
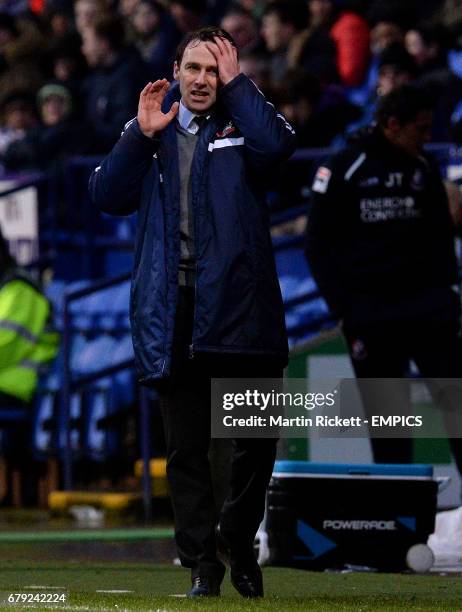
x=150, y=117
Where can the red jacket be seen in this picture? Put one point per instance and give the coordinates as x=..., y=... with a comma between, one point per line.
x=351, y=36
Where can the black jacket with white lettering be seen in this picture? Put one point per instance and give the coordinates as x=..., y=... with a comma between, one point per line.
x=380, y=242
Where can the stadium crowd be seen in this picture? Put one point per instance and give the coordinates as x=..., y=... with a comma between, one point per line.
x=71, y=71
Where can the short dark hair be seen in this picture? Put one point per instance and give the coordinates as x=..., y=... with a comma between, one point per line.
x=396, y=55
x=431, y=34
x=110, y=28
x=404, y=104
x=201, y=35
x=237, y=9
x=290, y=12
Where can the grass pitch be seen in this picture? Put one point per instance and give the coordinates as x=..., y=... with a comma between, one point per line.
x=160, y=588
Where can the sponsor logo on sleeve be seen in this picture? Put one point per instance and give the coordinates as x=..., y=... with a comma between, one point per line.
x=321, y=180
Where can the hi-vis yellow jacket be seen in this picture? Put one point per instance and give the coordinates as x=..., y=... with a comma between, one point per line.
x=27, y=344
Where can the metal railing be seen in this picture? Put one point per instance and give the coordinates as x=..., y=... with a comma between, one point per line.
x=71, y=382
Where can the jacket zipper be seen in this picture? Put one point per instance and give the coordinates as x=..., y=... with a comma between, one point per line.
x=191, y=346
x=196, y=241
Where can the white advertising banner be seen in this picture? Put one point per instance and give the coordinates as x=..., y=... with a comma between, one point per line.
x=19, y=221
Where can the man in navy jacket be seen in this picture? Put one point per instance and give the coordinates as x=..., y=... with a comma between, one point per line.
x=205, y=295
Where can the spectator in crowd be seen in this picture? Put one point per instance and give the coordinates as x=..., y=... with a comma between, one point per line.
x=388, y=22
x=87, y=12
x=350, y=33
x=283, y=21
x=449, y=16
x=188, y=15
x=317, y=113
x=66, y=66
x=242, y=26
x=127, y=8
x=21, y=49
x=46, y=145
x=380, y=245
x=447, y=126
x=112, y=87
x=395, y=69
x=155, y=36
x=60, y=22
x=426, y=45
x=256, y=68
x=17, y=116
x=255, y=7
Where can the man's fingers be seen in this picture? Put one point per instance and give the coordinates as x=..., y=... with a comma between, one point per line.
x=219, y=44
x=224, y=45
x=214, y=50
x=145, y=90
x=158, y=85
x=174, y=110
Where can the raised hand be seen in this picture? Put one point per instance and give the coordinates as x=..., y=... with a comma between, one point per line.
x=150, y=117
x=226, y=56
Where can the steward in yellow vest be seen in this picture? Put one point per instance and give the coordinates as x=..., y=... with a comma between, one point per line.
x=27, y=342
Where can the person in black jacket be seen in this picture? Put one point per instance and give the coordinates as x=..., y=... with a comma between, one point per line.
x=380, y=243
x=205, y=300
x=117, y=73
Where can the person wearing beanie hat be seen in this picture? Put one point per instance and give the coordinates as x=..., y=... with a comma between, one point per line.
x=46, y=145
x=54, y=102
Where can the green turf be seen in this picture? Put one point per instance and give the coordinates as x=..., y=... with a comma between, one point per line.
x=287, y=590
x=83, y=535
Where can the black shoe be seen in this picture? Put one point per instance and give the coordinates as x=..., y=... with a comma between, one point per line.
x=246, y=576
x=247, y=582
x=204, y=586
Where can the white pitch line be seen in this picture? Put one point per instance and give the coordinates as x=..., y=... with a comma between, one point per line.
x=113, y=591
x=40, y=586
x=64, y=607
x=178, y=595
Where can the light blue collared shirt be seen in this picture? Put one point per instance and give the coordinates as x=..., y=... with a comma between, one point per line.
x=185, y=119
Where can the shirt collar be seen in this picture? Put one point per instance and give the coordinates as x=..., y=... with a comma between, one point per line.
x=185, y=119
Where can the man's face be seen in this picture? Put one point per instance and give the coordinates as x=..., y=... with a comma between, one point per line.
x=390, y=78
x=146, y=19
x=53, y=110
x=198, y=78
x=320, y=10
x=383, y=35
x=420, y=51
x=241, y=28
x=414, y=135
x=94, y=49
x=86, y=12
x=275, y=33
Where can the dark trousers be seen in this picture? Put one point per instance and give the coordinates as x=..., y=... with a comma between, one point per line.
x=384, y=351
x=197, y=504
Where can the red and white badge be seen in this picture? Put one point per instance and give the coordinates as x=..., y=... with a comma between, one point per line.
x=321, y=180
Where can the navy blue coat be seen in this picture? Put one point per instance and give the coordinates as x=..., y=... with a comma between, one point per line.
x=238, y=300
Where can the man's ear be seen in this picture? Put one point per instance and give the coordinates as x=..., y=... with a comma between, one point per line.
x=176, y=70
